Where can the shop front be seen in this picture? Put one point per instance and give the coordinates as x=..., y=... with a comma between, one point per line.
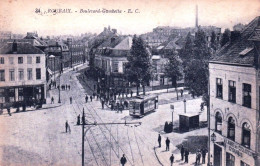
x=230, y=153
x=20, y=95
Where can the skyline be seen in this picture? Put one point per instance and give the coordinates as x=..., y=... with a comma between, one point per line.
x=19, y=16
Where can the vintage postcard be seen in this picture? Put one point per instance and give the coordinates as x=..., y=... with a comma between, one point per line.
x=129, y=83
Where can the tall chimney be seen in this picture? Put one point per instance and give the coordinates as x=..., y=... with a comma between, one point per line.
x=196, y=24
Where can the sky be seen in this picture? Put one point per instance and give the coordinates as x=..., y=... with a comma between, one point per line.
x=19, y=16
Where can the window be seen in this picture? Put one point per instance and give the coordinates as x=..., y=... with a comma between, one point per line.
x=2, y=75
x=243, y=164
x=38, y=74
x=115, y=66
x=20, y=94
x=21, y=74
x=232, y=91
x=11, y=75
x=219, y=88
x=11, y=60
x=20, y=60
x=247, y=95
x=38, y=59
x=2, y=60
x=29, y=60
x=2, y=99
x=218, y=123
x=29, y=73
x=246, y=135
x=231, y=129
x=230, y=159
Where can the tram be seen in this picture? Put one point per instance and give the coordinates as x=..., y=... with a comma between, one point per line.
x=141, y=105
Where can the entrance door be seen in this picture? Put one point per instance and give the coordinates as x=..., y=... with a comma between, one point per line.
x=217, y=155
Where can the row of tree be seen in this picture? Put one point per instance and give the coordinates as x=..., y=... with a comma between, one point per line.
x=191, y=63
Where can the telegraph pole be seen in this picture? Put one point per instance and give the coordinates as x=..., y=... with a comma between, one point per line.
x=95, y=124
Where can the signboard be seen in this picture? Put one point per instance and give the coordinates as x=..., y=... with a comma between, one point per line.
x=238, y=149
x=172, y=107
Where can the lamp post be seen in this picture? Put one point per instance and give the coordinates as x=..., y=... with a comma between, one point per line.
x=184, y=101
x=84, y=123
x=172, y=107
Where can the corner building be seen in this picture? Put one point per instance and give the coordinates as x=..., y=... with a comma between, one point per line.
x=234, y=77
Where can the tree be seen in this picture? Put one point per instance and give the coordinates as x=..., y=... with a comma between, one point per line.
x=173, y=70
x=187, y=50
x=196, y=70
x=225, y=37
x=139, y=66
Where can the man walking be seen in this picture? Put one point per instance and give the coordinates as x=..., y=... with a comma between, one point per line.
x=172, y=159
x=159, y=140
x=131, y=93
x=167, y=144
x=9, y=112
x=70, y=100
x=52, y=100
x=67, y=126
x=91, y=98
x=198, y=156
x=103, y=103
x=86, y=98
x=123, y=160
x=203, y=153
x=78, y=120
x=182, y=152
x=186, y=156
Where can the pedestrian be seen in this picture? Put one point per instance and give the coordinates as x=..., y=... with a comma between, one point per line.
x=66, y=86
x=186, y=154
x=112, y=105
x=182, y=152
x=203, y=153
x=172, y=159
x=78, y=120
x=9, y=111
x=181, y=92
x=198, y=156
x=97, y=96
x=123, y=160
x=58, y=87
x=117, y=106
x=91, y=98
x=52, y=100
x=70, y=100
x=94, y=95
x=69, y=87
x=159, y=140
x=66, y=126
x=94, y=87
x=131, y=93
x=167, y=144
x=102, y=103
x=86, y=98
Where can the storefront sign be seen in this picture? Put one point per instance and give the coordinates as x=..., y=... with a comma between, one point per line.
x=237, y=148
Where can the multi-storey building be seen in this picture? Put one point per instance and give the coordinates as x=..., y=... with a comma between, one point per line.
x=234, y=77
x=77, y=52
x=22, y=74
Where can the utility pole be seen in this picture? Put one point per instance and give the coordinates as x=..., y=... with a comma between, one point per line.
x=95, y=124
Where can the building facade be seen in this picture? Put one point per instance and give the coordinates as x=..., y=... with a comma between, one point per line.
x=22, y=75
x=234, y=101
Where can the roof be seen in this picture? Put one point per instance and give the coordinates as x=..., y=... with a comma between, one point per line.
x=125, y=44
x=22, y=48
x=240, y=51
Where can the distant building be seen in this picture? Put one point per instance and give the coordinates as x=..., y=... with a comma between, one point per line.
x=77, y=52
x=234, y=100
x=22, y=74
x=5, y=35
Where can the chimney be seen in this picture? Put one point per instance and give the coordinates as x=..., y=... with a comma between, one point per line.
x=196, y=21
x=114, y=31
x=105, y=29
x=234, y=36
x=14, y=47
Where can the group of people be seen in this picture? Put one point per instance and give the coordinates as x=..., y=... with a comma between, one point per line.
x=201, y=153
x=64, y=87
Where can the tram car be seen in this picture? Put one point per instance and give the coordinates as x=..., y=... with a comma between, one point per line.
x=141, y=105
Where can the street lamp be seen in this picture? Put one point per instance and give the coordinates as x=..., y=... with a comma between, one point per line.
x=213, y=137
x=184, y=101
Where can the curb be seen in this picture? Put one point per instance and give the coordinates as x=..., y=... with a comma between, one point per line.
x=157, y=157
